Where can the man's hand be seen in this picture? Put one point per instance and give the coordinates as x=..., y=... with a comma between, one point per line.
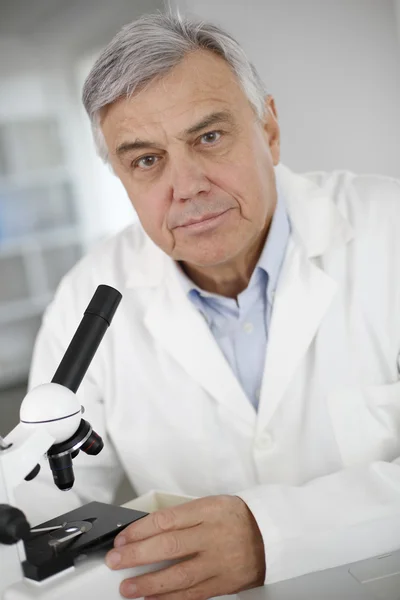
x=216, y=540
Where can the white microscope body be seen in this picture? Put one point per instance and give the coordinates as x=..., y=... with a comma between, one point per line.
x=51, y=423
x=49, y=414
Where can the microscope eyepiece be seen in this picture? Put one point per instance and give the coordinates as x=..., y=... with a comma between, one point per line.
x=94, y=324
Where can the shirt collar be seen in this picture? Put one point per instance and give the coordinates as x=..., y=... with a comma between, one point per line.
x=271, y=257
x=273, y=253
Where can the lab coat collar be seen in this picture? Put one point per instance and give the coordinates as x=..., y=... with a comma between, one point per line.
x=303, y=296
x=145, y=264
x=316, y=221
x=305, y=291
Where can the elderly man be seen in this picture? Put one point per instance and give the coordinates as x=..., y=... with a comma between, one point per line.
x=254, y=359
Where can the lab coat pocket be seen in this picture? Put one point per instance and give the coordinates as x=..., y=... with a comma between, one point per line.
x=366, y=422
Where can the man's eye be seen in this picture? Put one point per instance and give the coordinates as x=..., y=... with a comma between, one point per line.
x=210, y=137
x=145, y=162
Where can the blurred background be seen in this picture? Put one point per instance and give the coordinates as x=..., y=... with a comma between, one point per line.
x=333, y=67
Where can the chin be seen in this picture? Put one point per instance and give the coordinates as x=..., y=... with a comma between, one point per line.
x=210, y=258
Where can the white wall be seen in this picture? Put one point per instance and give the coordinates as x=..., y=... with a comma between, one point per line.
x=45, y=68
x=105, y=206
x=334, y=69
x=397, y=10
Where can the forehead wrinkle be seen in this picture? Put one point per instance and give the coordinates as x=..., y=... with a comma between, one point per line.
x=145, y=135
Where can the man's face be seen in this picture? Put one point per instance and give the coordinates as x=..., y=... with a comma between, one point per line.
x=196, y=163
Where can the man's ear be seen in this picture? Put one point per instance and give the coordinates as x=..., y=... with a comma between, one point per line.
x=271, y=128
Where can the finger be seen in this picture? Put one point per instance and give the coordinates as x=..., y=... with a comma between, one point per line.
x=184, y=575
x=166, y=546
x=202, y=591
x=168, y=519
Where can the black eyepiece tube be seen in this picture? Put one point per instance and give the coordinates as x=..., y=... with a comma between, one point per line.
x=96, y=319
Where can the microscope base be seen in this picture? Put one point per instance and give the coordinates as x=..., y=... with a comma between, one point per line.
x=90, y=578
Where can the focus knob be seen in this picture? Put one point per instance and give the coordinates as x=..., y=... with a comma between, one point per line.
x=13, y=525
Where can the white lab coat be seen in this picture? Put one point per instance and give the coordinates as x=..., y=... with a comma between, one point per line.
x=318, y=464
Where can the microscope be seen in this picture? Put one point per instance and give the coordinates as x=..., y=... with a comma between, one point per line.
x=64, y=556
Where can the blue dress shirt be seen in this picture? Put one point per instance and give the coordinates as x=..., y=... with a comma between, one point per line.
x=240, y=327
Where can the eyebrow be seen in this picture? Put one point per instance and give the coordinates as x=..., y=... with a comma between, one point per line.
x=223, y=116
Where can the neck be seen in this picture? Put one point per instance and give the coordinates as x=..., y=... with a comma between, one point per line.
x=231, y=278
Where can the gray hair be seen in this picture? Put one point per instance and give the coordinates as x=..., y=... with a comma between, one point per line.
x=149, y=48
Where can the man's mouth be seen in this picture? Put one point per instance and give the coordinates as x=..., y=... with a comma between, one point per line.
x=192, y=223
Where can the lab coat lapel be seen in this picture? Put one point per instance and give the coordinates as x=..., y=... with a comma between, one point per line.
x=303, y=297
x=304, y=291
x=185, y=335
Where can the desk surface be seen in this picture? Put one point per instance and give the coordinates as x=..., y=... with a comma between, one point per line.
x=372, y=579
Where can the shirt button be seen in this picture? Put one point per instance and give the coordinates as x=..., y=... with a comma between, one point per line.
x=248, y=327
x=264, y=442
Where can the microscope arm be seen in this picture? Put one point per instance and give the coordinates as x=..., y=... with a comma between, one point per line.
x=26, y=448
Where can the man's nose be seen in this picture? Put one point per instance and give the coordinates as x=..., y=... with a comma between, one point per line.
x=188, y=178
